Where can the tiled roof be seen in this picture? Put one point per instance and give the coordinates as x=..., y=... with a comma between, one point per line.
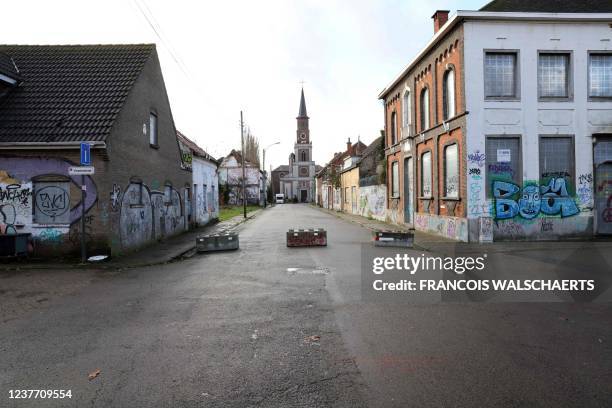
x=373, y=147
x=550, y=6
x=195, y=149
x=69, y=92
x=282, y=167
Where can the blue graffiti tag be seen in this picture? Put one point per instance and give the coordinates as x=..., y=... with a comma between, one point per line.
x=550, y=199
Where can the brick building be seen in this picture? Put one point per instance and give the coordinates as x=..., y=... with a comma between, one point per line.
x=516, y=144
x=113, y=97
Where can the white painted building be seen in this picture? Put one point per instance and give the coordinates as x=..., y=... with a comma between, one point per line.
x=538, y=90
x=230, y=175
x=202, y=206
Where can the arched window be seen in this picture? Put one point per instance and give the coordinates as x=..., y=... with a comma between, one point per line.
x=406, y=114
x=393, y=128
x=424, y=109
x=303, y=156
x=448, y=93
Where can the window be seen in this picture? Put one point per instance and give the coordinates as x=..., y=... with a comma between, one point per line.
x=393, y=128
x=557, y=158
x=52, y=202
x=346, y=195
x=553, y=75
x=448, y=94
x=395, y=179
x=503, y=160
x=426, y=190
x=600, y=75
x=303, y=155
x=424, y=109
x=168, y=194
x=451, y=171
x=500, y=72
x=406, y=119
x=153, y=129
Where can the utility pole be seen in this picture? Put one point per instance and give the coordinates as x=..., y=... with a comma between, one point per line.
x=243, y=171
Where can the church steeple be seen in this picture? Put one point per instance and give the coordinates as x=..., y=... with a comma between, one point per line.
x=302, y=113
x=303, y=133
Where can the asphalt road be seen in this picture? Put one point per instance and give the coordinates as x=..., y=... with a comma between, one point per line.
x=272, y=326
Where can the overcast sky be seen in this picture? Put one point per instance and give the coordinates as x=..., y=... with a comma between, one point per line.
x=252, y=55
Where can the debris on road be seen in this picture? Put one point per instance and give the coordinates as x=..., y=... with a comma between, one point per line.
x=94, y=374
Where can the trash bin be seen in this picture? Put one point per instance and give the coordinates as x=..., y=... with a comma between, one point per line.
x=14, y=245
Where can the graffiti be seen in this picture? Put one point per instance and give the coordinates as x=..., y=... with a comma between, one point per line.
x=25, y=168
x=585, y=178
x=556, y=174
x=115, y=197
x=8, y=216
x=584, y=191
x=550, y=199
x=501, y=168
x=50, y=236
x=486, y=229
x=510, y=228
x=449, y=227
x=474, y=171
x=52, y=201
x=477, y=158
x=15, y=193
x=606, y=216
x=372, y=201
x=546, y=225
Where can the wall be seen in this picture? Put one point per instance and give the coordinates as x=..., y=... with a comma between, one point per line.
x=350, y=180
x=564, y=208
x=206, y=193
x=455, y=228
x=132, y=161
x=31, y=182
x=372, y=201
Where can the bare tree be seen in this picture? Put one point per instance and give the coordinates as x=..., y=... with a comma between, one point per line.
x=251, y=148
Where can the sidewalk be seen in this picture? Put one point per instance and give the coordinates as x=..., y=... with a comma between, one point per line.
x=158, y=253
x=436, y=244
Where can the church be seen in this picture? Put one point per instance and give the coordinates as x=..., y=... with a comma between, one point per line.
x=296, y=181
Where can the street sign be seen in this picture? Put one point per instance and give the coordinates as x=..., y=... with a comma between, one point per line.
x=80, y=171
x=85, y=154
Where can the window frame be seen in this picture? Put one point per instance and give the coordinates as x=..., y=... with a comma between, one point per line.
x=395, y=179
x=421, y=194
x=407, y=110
x=445, y=97
x=569, y=83
x=153, y=137
x=572, y=178
x=445, y=169
x=517, y=76
x=424, y=121
x=487, y=179
x=589, y=97
x=394, y=129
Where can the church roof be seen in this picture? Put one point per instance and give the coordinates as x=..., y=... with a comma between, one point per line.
x=302, y=113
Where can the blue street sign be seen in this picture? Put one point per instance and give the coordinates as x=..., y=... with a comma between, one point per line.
x=85, y=154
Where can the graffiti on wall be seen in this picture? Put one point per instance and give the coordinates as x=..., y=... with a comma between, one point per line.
x=372, y=201
x=449, y=227
x=477, y=206
x=584, y=191
x=146, y=215
x=533, y=200
x=476, y=158
x=15, y=206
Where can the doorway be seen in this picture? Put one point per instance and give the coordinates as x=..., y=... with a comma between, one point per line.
x=603, y=184
x=303, y=196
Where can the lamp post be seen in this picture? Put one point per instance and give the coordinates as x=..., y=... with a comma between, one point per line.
x=264, y=169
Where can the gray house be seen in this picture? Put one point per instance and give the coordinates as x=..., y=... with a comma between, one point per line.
x=52, y=98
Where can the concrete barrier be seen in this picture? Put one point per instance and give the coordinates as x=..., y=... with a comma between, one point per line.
x=306, y=237
x=403, y=239
x=224, y=241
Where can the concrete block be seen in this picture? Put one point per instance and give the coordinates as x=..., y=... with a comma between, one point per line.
x=402, y=239
x=225, y=241
x=306, y=237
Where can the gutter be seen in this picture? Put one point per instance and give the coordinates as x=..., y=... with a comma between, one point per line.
x=48, y=145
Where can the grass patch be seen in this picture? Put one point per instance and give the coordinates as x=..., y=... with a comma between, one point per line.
x=230, y=212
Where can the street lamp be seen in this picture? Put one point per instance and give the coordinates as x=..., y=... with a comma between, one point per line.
x=264, y=170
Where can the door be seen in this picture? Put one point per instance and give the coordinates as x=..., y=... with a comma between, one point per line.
x=330, y=197
x=303, y=195
x=408, y=191
x=603, y=184
x=353, y=200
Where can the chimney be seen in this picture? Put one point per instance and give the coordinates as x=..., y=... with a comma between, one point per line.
x=348, y=145
x=440, y=18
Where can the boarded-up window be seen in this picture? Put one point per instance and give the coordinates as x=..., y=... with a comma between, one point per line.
x=451, y=171
x=503, y=160
x=52, y=202
x=426, y=185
